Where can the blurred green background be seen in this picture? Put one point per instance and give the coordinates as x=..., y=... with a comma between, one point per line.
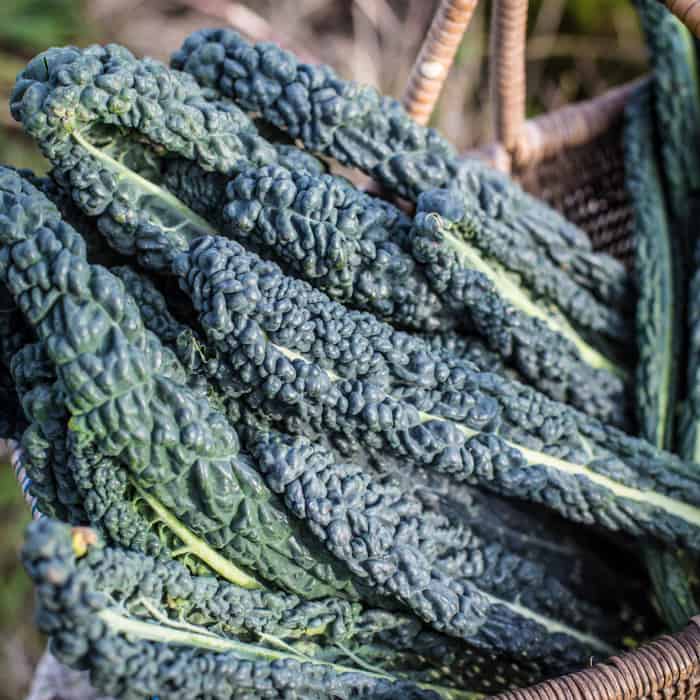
x=576, y=49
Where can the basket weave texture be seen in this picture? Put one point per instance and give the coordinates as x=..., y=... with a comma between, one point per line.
x=586, y=183
x=666, y=668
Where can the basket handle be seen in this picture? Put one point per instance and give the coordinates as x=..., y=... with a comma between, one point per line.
x=507, y=72
x=435, y=57
x=688, y=12
x=572, y=125
x=521, y=143
x=668, y=663
x=518, y=143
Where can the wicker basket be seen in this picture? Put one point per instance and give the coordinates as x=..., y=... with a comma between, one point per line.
x=572, y=159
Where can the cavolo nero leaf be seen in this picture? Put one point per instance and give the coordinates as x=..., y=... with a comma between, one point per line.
x=361, y=128
x=279, y=347
x=195, y=636
x=114, y=129
x=124, y=402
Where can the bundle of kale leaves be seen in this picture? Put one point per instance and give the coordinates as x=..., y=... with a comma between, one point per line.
x=294, y=440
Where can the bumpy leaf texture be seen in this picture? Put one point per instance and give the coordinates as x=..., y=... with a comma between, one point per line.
x=362, y=253
x=376, y=528
x=118, y=387
x=659, y=275
x=102, y=117
x=44, y=450
x=501, y=527
x=120, y=133
x=541, y=344
x=437, y=541
x=93, y=352
x=344, y=241
x=281, y=340
x=14, y=333
x=358, y=250
x=485, y=243
x=360, y=128
x=144, y=627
